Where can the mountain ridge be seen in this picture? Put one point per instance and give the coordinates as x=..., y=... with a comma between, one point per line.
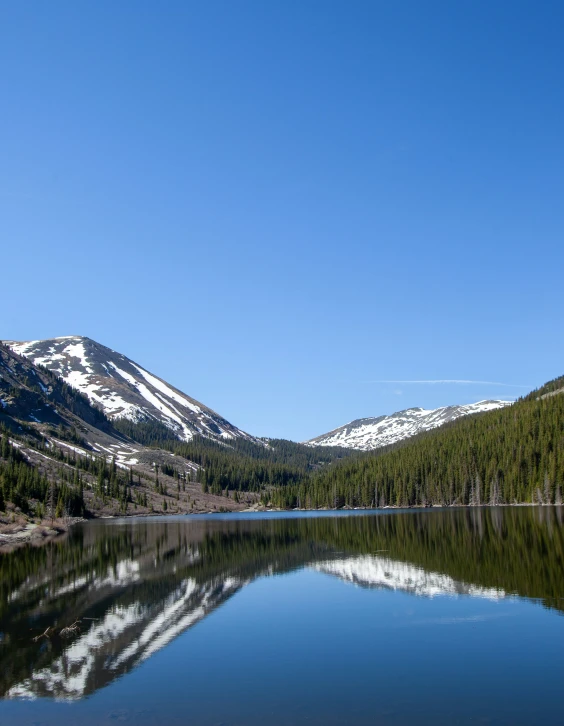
x=510, y=455
x=367, y=434
x=124, y=389
x=53, y=439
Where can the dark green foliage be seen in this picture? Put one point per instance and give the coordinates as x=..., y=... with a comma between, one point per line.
x=246, y=466
x=18, y=480
x=505, y=456
x=148, y=433
x=548, y=389
x=22, y=484
x=25, y=487
x=238, y=464
x=519, y=551
x=515, y=454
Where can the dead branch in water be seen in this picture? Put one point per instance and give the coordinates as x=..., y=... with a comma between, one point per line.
x=70, y=629
x=65, y=632
x=46, y=634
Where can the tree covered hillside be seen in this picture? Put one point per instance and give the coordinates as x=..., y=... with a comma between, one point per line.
x=59, y=453
x=239, y=464
x=511, y=455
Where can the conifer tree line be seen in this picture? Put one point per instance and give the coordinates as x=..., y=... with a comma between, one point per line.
x=239, y=464
x=511, y=455
x=246, y=466
x=29, y=490
x=22, y=483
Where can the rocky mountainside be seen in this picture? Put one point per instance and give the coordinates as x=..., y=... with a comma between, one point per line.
x=35, y=395
x=123, y=389
x=37, y=405
x=50, y=432
x=367, y=434
x=114, y=439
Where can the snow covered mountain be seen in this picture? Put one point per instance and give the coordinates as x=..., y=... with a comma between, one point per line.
x=124, y=389
x=372, y=433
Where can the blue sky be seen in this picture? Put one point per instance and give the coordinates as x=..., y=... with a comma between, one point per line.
x=278, y=206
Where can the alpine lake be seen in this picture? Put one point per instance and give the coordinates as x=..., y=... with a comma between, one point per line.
x=436, y=616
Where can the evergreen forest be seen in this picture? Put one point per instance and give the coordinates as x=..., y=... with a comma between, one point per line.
x=508, y=456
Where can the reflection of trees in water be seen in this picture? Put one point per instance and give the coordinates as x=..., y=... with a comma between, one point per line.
x=497, y=520
x=124, y=576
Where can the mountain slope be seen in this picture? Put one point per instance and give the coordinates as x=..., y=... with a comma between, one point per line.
x=32, y=394
x=123, y=389
x=506, y=456
x=366, y=434
x=53, y=431
x=55, y=446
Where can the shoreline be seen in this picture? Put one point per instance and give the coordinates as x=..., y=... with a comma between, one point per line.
x=16, y=534
x=20, y=534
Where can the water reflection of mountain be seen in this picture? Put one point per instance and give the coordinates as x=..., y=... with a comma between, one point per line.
x=136, y=586
x=382, y=572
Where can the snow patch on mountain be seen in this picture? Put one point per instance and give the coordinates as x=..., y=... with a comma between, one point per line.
x=123, y=389
x=372, y=433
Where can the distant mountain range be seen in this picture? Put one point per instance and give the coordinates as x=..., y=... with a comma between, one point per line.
x=115, y=438
x=123, y=389
x=367, y=434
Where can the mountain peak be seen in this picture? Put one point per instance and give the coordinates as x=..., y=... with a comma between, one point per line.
x=367, y=434
x=124, y=389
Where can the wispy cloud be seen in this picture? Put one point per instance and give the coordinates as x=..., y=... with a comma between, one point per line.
x=456, y=381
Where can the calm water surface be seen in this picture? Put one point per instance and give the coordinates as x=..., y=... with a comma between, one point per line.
x=418, y=617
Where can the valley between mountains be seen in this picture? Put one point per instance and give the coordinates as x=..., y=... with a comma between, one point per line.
x=88, y=432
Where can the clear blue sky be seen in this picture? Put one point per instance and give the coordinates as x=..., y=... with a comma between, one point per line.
x=273, y=205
